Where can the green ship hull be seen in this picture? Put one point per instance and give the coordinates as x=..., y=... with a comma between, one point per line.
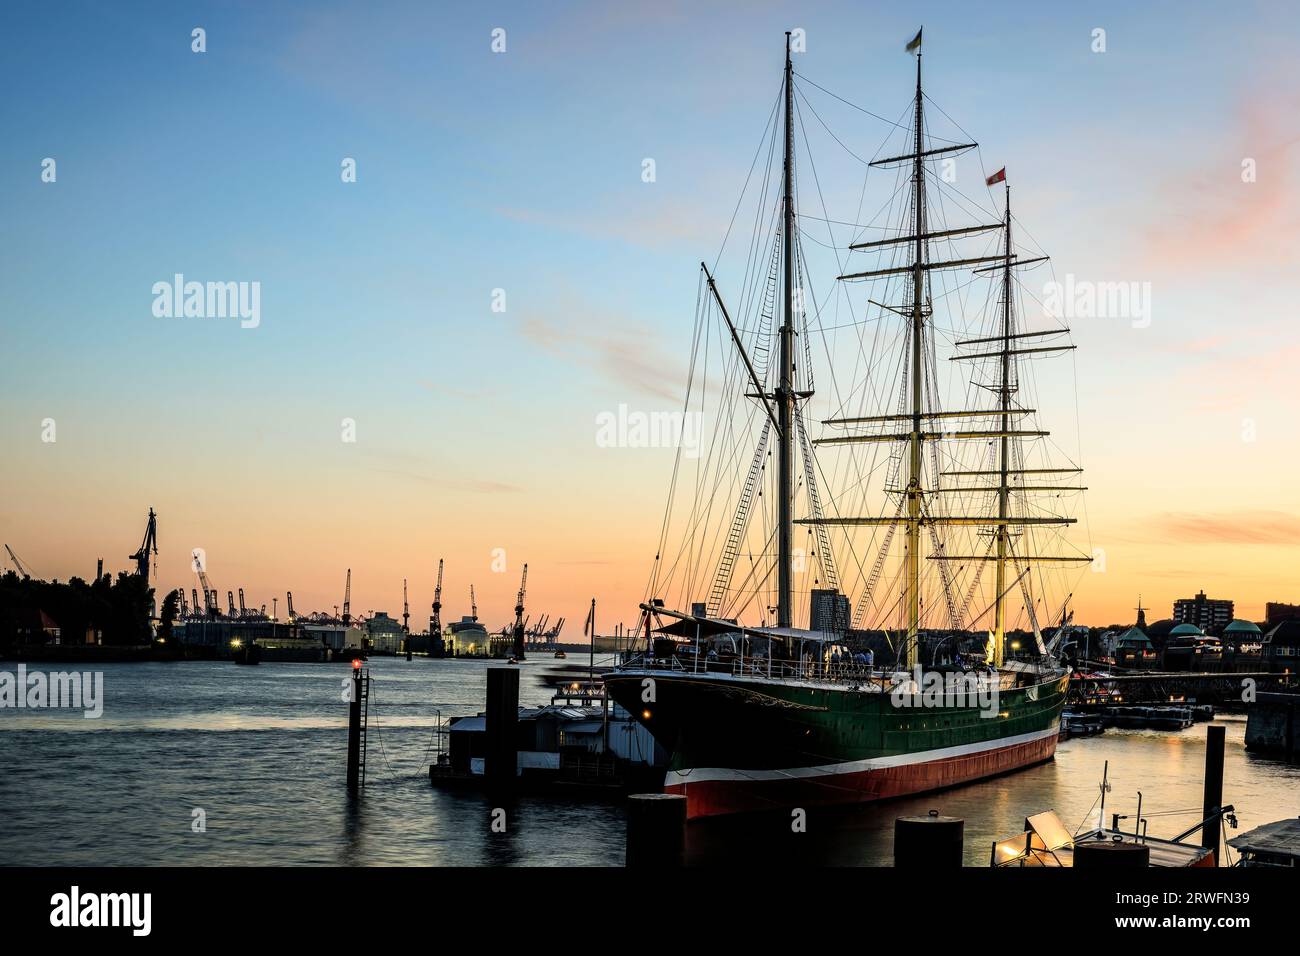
x=746, y=743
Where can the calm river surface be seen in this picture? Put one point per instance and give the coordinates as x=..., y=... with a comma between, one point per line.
x=261, y=751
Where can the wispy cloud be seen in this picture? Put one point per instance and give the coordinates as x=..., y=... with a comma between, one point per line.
x=1230, y=527
x=624, y=353
x=667, y=222
x=421, y=468
x=1260, y=376
x=1212, y=217
x=480, y=485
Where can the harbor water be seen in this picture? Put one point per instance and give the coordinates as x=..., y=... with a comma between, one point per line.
x=215, y=764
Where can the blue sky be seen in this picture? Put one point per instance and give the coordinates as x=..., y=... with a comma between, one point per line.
x=522, y=171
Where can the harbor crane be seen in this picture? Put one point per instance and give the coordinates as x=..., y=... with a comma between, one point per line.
x=150, y=545
x=211, y=603
x=543, y=636
x=289, y=597
x=519, y=616
x=347, y=599
x=22, y=569
x=230, y=596
x=435, y=619
x=406, y=621
x=195, y=605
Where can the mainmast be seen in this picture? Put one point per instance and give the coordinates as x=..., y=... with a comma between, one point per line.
x=785, y=396
x=1004, y=490
x=913, y=545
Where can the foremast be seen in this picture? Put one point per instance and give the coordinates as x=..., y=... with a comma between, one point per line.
x=785, y=392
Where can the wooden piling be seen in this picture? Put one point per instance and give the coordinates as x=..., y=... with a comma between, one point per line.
x=1213, y=796
x=354, y=732
x=1111, y=855
x=502, y=751
x=656, y=830
x=930, y=842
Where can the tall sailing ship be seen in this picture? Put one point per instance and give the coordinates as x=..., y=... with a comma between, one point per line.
x=757, y=712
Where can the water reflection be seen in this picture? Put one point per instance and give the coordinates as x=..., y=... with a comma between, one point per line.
x=263, y=754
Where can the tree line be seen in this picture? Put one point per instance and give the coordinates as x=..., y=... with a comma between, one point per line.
x=117, y=610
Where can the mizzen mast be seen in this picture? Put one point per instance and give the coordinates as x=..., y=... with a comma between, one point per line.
x=913, y=542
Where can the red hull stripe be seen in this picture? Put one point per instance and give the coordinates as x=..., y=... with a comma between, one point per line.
x=717, y=791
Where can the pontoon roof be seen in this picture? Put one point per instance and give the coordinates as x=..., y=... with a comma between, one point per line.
x=688, y=626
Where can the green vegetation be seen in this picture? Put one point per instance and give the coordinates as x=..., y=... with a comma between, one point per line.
x=114, y=612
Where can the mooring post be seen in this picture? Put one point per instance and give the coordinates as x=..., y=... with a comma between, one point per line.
x=502, y=754
x=354, y=730
x=1113, y=854
x=928, y=842
x=656, y=829
x=1213, y=799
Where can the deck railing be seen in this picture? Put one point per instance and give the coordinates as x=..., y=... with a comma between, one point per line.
x=851, y=673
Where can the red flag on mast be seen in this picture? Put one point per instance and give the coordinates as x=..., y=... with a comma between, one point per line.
x=999, y=177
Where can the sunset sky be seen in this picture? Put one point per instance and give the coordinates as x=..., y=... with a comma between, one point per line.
x=521, y=171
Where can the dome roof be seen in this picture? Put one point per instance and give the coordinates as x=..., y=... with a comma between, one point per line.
x=1241, y=627
x=1183, y=630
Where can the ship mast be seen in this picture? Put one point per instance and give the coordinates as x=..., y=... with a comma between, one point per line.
x=785, y=393
x=913, y=545
x=1004, y=490
x=923, y=425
